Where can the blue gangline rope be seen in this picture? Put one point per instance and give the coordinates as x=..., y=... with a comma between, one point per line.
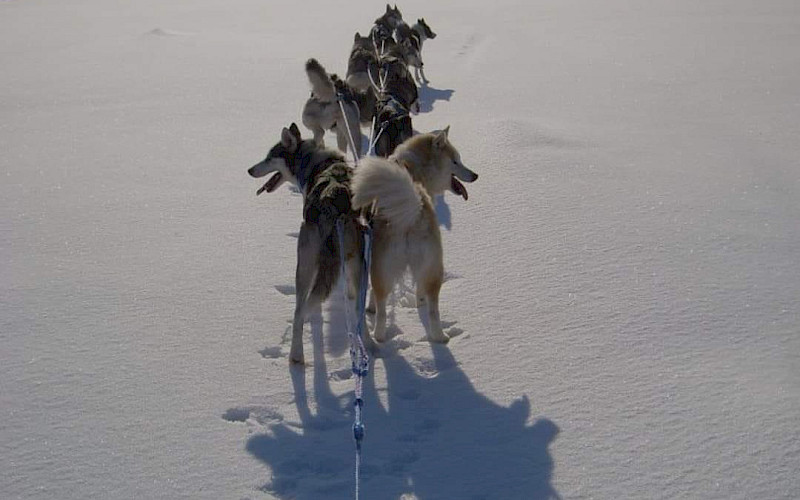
x=358, y=353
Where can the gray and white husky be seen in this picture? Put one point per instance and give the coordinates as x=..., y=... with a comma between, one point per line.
x=323, y=176
x=322, y=112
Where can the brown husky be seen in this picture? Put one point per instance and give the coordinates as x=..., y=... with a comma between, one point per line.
x=406, y=231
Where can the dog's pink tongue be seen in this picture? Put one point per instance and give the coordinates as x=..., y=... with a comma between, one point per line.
x=271, y=184
x=458, y=188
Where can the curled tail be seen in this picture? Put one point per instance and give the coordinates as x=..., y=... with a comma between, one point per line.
x=399, y=200
x=321, y=83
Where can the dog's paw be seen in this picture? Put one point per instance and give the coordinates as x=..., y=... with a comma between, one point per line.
x=296, y=357
x=439, y=338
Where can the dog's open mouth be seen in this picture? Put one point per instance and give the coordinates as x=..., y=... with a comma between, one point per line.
x=458, y=188
x=272, y=184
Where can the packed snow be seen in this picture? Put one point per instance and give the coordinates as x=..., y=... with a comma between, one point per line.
x=622, y=285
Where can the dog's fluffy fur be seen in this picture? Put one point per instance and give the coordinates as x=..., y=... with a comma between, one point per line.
x=324, y=179
x=406, y=231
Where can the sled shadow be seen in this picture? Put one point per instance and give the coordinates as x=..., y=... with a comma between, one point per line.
x=429, y=95
x=435, y=437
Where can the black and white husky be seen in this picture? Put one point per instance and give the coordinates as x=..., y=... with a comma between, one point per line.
x=410, y=39
x=323, y=176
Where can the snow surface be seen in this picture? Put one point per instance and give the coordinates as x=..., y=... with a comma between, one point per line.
x=622, y=284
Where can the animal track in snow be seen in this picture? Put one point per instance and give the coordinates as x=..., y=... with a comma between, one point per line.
x=286, y=289
x=469, y=45
x=521, y=134
x=167, y=33
x=428, y=368
x=271, y=352
x=342, y=374
x=257, y=414
x=454, y=332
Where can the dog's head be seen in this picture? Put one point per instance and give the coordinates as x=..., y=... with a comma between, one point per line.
x=281, y=160
x=363, y=42
x=391, y=17
x=450, y=169
x=411, y=52
x=424, y=29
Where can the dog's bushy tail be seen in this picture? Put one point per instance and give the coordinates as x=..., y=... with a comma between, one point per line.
x=321, y=83
x=399, y=199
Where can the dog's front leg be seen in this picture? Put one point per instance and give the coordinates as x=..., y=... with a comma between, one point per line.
x=419, y=75
x=308, y=246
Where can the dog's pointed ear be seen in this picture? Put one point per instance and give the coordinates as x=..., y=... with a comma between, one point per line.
x=440, y=139
x=357, y=37
x=295, y=130
x=288, y=139
x=388, y=8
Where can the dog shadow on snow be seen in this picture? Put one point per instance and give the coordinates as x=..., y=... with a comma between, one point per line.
x=429, y=95
x=429, y=435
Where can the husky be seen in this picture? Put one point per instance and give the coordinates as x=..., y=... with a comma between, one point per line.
x=392, y=125
x=391, y=18
x=381, y=32
x=398, y=82
x=405, y=229
x=362, y=65
x=324, y=178
x=417, y=151
x=411, y=40
x=322, y=111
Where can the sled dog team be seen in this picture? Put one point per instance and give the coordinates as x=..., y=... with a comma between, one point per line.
x=393, y=190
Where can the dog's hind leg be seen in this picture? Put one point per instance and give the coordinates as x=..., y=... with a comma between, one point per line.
x=355, y=272
x=308, y=247
x=354, y=124
x=429, y=275
x=424, y=79
x=381, y=292
x=319, y=134
x=431, y=291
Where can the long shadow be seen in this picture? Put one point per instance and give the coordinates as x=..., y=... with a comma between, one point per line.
x=435, y=438
x=429, y=95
